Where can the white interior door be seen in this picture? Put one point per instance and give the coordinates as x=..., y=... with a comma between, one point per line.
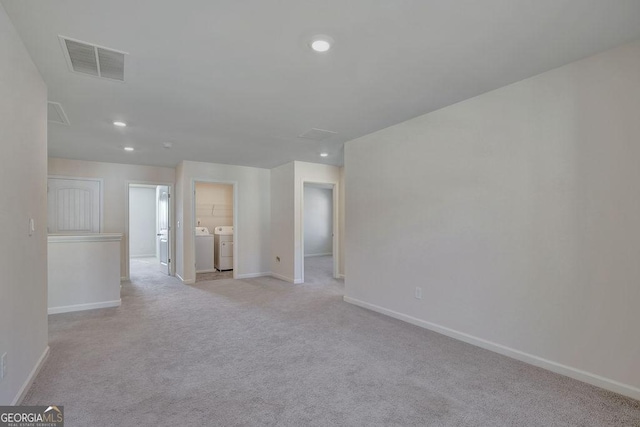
x=73, y=206
x=163, y=228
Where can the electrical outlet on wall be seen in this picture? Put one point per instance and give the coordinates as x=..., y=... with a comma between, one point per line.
x=418, y=294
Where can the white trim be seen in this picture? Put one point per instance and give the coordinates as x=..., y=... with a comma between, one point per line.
x=82, y=238
x=298, y=281
x=32, y=376
x=82, y=307
x=123, y=279
x=213, y=270
x=185, y=282
x=252, y=275
x=281, y=277
x=312, y=255
x=577, y=374
x=145, y=256
x=340, y=276
x=148, y=186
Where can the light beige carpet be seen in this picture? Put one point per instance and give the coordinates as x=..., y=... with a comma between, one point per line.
x=214, y=275
x=266, y=352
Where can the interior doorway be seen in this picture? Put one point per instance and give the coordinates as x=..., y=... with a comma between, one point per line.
x=318, y=242
x=149, y=230
x=214, y=238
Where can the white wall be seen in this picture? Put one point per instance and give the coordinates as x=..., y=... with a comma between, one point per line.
x=117, y=178
x=214, y=205
x=287, y=187
x=517, y=213
x=341, y=223
x=252, y=233
x=142, y=222
x=23, y=172
x=179, y=221
x=318, y=220
x=282, y=222
x=83, y=272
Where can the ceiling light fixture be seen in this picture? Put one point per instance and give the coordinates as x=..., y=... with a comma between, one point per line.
x=324, y=154
x=120, y=124
x=129, y=149
x=321, y=43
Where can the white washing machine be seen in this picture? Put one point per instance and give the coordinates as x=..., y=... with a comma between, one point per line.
x=223, y=259
x=204, y=250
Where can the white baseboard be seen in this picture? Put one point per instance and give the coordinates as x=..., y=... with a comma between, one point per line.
x=81, y=307
x=143, y=256
x=185, y=282
x=206, y=271
x=252, y=275
x=580, y=375
x=341, y=276
x=312, y=255
x=281, y=277
x=124, y=279
x=298, y=281
x=32, y=376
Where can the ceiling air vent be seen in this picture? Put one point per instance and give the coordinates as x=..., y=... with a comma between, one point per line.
x=56, y=114
x=317, y=134
x=94, y=60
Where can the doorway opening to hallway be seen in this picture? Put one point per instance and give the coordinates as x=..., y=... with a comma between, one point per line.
x=319, y=222
x=149, y=229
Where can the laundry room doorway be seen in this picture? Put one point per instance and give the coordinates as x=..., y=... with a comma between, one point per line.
x=148, y=229
x=214, y=234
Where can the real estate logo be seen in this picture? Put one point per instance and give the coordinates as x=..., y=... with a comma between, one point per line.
x=31, y=416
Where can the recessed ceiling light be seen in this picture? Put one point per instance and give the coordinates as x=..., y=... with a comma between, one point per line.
x=324, y=154
x=120, y=124
x=321, y=43
x=129, y=149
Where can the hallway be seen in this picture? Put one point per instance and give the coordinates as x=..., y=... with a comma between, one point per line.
x=319, y=270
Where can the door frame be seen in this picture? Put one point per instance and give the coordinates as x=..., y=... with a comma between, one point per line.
x=235, y=221
x=172, y=264
x=335, y=227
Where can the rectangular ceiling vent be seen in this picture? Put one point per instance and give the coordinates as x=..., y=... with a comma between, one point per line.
x=94, y=60
x=56, y=114
x=317, y=134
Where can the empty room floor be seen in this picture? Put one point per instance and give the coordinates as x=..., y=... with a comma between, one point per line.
x=266, y=352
